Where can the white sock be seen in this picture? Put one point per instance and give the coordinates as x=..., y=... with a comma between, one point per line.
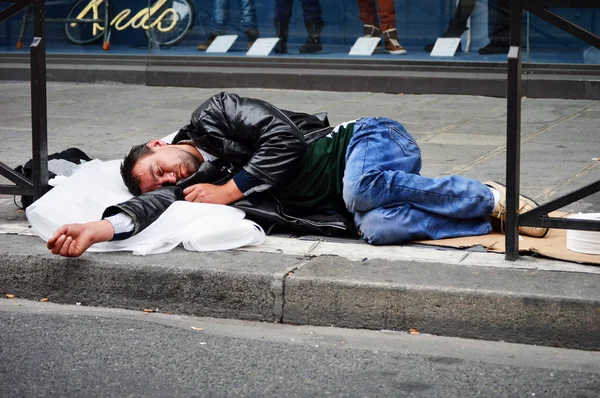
x=496, y=199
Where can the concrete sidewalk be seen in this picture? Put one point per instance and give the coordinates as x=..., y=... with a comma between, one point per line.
x=332, y=282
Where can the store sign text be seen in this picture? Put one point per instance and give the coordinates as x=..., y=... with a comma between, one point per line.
x=139, y=20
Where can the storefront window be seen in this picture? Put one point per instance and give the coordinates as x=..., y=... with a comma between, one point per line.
x=549, y=44
x=308, y=28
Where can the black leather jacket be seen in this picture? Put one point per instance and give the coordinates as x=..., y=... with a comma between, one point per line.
x=254, y=135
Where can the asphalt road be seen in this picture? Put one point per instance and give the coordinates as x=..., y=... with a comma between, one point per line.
x=76, y=351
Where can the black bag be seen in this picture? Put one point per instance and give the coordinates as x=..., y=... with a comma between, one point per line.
x=73, y=155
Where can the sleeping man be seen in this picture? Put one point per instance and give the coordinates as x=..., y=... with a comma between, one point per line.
x=291, y=171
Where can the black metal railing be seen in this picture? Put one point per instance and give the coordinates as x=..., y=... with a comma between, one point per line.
x=102, y=20
x=536, y=217
x=38, y=184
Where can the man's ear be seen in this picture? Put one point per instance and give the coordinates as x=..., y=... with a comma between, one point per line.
x=156, y=143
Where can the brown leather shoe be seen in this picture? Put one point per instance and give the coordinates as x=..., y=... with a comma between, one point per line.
x=525, y=204
x=207, y=43
x=252, y=36
x=392, y=45
x=371, y=31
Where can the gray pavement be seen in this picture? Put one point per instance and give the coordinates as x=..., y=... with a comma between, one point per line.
x=332, y=282
x=71, y=351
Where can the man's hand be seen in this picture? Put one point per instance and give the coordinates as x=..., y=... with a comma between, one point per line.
x=217, y=194
x=72, y=240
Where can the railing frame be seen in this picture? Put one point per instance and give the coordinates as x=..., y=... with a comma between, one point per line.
x=103, y=20
x=536, y=217
x=38, y=184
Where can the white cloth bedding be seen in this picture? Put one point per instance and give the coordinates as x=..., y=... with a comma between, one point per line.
x=96, y=185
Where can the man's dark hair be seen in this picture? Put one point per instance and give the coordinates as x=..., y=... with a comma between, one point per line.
x=132, y=182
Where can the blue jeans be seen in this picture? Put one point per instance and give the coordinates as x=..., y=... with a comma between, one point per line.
x=392, y=203
x=220, y=16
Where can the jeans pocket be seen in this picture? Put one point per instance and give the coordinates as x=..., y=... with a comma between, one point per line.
x=404, y=140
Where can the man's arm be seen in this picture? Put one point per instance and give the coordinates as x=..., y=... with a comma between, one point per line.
x=146, y=208
x=143, y=211
x=251, y=133
x=72, y=240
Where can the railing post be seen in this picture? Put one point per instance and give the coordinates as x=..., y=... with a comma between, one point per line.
x=39, y=121
x=513, y=132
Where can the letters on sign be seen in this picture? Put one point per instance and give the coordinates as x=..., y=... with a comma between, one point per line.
x=139, y=20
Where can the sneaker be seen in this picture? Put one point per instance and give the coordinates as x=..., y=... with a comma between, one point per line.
x=392, y=45
x=371, y=31
x=525, y=204
x=207, y=43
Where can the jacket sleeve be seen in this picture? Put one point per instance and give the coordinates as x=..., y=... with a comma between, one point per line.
x=146, y=208
x=256, y=136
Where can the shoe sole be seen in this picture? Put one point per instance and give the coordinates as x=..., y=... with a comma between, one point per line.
x=397, y=52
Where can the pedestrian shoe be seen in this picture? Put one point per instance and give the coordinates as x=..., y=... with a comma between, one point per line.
x=392, y=45
x=252, y=36
x=525, y=204
x=371, y=31
x=312, y=45
x=313, y=42
x=207, y=43
x=280, y=47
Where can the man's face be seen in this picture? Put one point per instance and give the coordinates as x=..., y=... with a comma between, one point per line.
x=165, y=166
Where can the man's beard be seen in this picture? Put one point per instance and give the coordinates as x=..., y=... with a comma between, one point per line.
x=189, y=163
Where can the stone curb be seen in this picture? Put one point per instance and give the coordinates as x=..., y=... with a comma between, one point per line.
x=216, y=284
x=464, y=300
x=513, y=305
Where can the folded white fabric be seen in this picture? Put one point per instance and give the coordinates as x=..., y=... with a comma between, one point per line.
x=96, y=185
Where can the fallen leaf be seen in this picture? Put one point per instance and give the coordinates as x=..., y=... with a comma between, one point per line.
x=44, y=299
x=198, y=329
x=10, y=296
x=414, y=331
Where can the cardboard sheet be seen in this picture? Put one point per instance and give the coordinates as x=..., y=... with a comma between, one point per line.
x=553, y=245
